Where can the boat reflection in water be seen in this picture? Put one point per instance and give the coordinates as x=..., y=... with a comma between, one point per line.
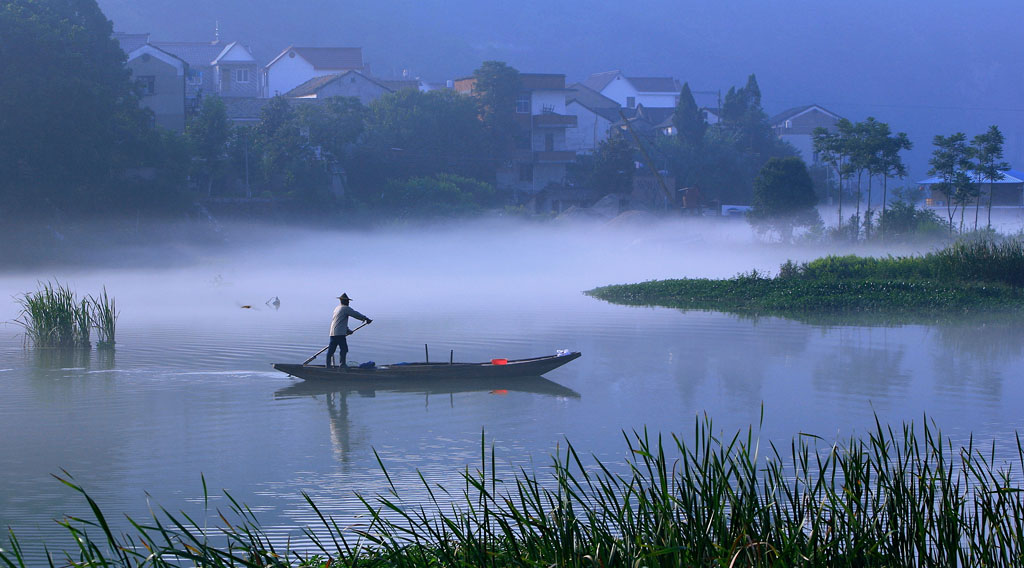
x=365, y=387
x=336, y=396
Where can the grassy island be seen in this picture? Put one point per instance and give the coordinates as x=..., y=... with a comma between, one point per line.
x=968, y=276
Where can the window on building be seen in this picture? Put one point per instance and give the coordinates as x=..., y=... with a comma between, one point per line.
x=241, y=75
x=195, y=77
x=523, y=103
x=525, y=172
x=147, y=84
x=549, y=142
x=630, y=102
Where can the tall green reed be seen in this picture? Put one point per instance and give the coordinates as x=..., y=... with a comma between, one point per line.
x=53, y=316
x=903, y=496
x=104, y=318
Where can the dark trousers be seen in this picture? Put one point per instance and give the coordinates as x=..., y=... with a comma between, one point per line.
x=337, y=342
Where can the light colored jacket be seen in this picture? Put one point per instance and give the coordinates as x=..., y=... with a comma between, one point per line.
x=339, y=323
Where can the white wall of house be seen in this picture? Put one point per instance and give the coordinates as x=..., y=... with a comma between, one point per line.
x=547, y=101
x=621, y=91
x=591, y=129
x=164, y=89
x=352, y=85
x=289, y=72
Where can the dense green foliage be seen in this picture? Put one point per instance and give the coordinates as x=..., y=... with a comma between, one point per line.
x=73, y=136
x=898, y=497
x=969, y=275
x=444, y=195
x=784, y=198
x=903, y=220
x=722, y=159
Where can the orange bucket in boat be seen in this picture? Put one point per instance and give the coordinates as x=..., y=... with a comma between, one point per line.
x=499, y=361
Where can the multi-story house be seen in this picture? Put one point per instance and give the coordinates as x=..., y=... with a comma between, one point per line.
x=541, y=155
x=225, y=69
x=796, y=126
x=297, y=65
x=160, y=77
x=630, y=92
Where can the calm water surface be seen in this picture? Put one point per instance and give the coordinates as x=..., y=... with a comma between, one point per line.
x=190, y=392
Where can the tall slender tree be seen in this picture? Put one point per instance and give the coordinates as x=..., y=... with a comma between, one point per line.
x=988, y=163
x=833, y=148
x=892, y=164
x=950, y=160
x=207, y=135
x=689, y=120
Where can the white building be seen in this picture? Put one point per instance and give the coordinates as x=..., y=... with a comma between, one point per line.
x=595, y=114
x=651, y=92
x=296, y=65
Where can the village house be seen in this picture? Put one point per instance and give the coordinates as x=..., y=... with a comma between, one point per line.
x=160, y=77
x=225, y=69
x=595, y=114
x=541, y=155
x=796, y=126
x=297, y=65
x=629, y=92
x=349, y=84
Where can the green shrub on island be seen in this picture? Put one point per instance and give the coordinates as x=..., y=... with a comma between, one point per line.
x=902, y=496
x=437, y=196
x=968, y=275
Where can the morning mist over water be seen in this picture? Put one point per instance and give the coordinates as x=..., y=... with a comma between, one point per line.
x=465, y=173
x=189, y=389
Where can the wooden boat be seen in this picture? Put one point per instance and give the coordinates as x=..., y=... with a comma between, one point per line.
x=496, y=368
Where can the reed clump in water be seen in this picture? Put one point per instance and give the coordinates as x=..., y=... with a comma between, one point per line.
x=104, y=318
x=53, y=316
x=901, y=497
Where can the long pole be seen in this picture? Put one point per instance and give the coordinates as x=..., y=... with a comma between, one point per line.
x=325, y=348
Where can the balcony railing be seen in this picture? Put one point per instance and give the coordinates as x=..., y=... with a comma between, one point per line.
x=554, y=157
x=552, y=120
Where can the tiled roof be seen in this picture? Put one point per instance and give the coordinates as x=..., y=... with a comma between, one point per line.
x=655, y=84
x=589, y=98
x=542, y=81
x=329, y=57
x=598, y=81
x=792, y=112
x=131, y=42
x=313, y=85
x=196, y=54
x=244, y=108
x=248, y=109
x=399, y=84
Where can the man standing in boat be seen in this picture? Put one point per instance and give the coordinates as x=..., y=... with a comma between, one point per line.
x=339, y=330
